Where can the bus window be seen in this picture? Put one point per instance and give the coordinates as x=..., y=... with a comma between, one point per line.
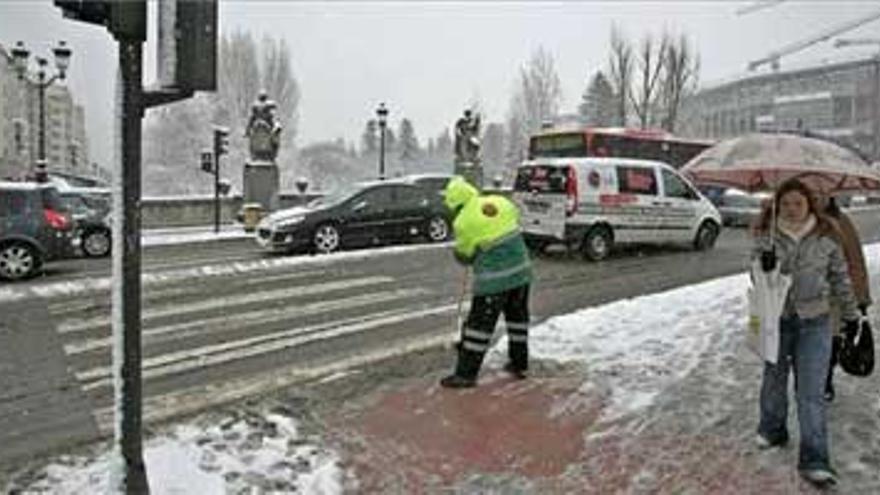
x=565, y=145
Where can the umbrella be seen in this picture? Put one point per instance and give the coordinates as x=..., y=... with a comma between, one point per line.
x=756, y=162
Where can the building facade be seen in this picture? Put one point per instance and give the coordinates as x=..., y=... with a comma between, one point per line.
x=65, y=132
x=840, y=100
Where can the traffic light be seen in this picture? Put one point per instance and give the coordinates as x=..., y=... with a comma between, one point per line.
x=221, y=141
x=207, y=161
x=126, y=20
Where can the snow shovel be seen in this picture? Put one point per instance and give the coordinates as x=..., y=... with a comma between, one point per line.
x=459, y=317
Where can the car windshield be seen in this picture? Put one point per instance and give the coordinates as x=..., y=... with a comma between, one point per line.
x=75, y=204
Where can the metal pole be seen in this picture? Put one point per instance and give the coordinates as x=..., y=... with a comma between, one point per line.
x=41, y=92
x=381, y=150
x=127, y=274
x=874, y=108
x=216, y=191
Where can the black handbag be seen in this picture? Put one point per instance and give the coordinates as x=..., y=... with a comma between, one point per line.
x=857, y=350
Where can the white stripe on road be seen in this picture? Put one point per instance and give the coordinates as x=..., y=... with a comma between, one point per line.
x=79, y=305
x=212, y=355
x=162, y=407
x=70, y=288
x=187, y=329
x=225, y=302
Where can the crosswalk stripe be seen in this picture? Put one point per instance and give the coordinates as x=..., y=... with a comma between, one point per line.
x=74, y=306
x=78, y=325
x=177, y=362
x=187, y=329
x=197, y=398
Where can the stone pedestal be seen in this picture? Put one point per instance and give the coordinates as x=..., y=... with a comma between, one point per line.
x=471, y=171
x=261, y=184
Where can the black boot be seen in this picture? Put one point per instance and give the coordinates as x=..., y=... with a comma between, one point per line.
x=515, y=371
x=466, y=370
x=455, y=381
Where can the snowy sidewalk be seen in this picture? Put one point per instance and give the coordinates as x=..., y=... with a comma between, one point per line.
x=656, y=394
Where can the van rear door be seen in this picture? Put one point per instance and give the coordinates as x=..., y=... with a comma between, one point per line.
x=540, y=193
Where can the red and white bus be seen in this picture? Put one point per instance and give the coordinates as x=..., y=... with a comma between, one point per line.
x=615, y=142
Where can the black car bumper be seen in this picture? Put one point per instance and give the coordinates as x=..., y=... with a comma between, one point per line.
x=280, y=240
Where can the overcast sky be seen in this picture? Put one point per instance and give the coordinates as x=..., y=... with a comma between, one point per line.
x=428, y=60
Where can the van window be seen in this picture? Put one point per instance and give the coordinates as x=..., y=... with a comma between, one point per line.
x=675, y=187
x=637, y=180
x=541, y=178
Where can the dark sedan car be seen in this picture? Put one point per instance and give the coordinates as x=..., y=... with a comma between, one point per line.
x=366, y=214
x=92, y=224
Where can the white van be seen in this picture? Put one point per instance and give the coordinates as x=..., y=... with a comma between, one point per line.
x=593, y=203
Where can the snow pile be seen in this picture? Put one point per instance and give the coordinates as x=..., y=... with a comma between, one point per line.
x=239, y=453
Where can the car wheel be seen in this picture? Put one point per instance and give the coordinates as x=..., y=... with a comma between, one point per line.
x=18, y=261
x=438, y=229
x=707, y=234
x=96, y=243
x=597, y=244
x=326, y=238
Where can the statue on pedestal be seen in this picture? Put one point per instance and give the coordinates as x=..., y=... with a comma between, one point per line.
x=263, y=130
x=467, y=138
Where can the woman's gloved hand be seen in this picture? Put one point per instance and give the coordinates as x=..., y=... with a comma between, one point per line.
x=768, y=260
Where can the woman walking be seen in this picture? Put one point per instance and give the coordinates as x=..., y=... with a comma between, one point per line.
x=804, y=244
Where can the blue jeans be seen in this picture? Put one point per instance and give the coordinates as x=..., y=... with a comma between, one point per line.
x=804, y=345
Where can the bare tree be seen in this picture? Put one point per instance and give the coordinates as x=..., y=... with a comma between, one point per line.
x=536, y=100
x=621, y=67
x=644, y=94
x=680, y=80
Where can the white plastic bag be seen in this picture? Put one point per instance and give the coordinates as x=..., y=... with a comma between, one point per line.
x=766, y=301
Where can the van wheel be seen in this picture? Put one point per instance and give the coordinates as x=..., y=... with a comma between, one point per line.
x=597, y=244
x=707, y=234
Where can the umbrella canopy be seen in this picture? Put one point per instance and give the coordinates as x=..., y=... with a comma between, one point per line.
x=756, y=162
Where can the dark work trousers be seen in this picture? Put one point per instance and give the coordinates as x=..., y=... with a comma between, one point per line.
x=480, y=325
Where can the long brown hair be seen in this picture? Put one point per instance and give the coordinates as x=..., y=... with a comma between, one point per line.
x=765, y=219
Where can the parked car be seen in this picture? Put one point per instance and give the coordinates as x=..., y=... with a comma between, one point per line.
x=34, y=228
x=92, y=226
x=365, y=214
x=739, y=208
x=593, y=204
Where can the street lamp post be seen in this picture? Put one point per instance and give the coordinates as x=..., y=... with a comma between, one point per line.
x=382, y=113
x=20, y=55
x=875, y=105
